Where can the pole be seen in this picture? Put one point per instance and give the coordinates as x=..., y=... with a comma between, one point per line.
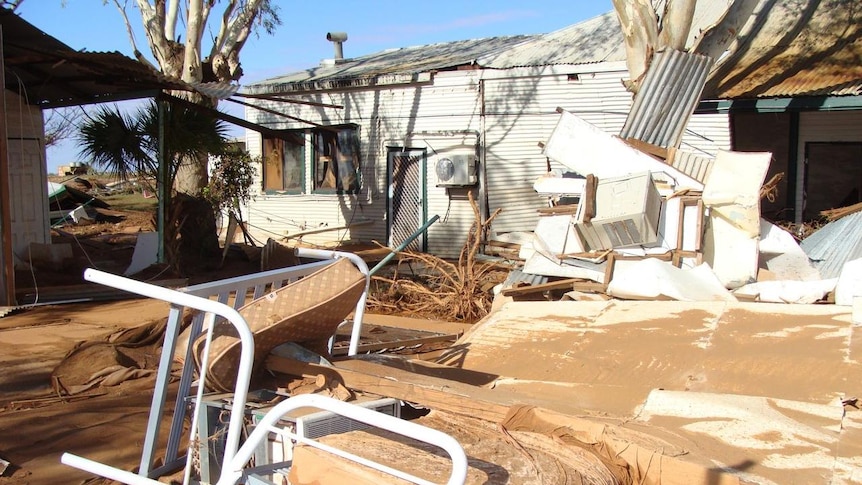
x=403, y=245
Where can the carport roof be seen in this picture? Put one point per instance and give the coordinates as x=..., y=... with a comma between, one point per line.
x=50, y=74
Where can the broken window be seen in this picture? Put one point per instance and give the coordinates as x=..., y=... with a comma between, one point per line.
x=335, y=163
x=283, y=163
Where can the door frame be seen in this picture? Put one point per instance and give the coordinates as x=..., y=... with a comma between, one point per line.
x=423, y=202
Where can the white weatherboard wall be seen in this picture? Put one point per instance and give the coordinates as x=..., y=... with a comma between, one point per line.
x=509, y=111
x=27, y=175
x=415, y=116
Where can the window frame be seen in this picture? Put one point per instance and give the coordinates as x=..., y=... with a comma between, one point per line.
x=266, y=141
x=356, y=154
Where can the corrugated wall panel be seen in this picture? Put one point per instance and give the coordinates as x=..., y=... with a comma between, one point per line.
x=386, y=117
x=513, y=158
x=823, y=126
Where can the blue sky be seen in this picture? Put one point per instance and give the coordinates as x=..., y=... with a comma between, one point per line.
x=300, y=42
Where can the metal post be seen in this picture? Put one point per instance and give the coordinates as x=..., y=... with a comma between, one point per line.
x=162, y=182
x=403, y=245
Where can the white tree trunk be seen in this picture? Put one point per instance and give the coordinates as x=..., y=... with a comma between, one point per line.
x=676, y=24
x=639, y=24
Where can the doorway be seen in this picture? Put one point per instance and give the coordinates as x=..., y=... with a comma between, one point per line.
x=406, y=196
x=833, y=176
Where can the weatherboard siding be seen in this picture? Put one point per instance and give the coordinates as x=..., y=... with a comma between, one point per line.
x=510, y=117
x=414, y=116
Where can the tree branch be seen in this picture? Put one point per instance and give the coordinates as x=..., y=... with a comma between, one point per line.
x=171, y=19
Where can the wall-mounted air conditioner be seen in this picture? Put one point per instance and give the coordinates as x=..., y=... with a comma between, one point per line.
x=456, y=170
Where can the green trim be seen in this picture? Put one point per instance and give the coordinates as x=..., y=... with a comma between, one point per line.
x=792, y=164
x=777, y=105
x=424, y=172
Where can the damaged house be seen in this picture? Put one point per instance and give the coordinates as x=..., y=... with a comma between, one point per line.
x=415, y=129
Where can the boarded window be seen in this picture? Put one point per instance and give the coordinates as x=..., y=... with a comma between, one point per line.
x=283, y=163
x=336, y=159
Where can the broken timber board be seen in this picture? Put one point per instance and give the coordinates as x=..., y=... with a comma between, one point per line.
x=566, y=284
x=371, y=347
x=648, y=148
x=433, y=392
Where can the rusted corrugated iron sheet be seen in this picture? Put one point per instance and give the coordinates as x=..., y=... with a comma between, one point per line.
x=393, y=66
x=795, y=48
x=667, y=97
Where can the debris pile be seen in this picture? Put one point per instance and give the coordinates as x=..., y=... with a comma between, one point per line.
x=623, y=222
x=454, y=291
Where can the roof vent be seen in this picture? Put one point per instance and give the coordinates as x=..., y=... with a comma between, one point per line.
x=337, y=39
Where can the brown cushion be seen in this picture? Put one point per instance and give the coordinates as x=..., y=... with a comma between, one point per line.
x=307, y=311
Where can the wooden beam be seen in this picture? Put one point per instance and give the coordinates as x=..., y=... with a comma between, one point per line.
x=444, y=394
x=566, y=284
x=371, y=347
x=558, y=210
x=648, y=148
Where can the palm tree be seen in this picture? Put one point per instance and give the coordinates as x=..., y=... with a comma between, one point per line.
x=128, y=145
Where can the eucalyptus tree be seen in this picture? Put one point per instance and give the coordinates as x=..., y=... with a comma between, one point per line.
x=648, y=29
x=175, y=34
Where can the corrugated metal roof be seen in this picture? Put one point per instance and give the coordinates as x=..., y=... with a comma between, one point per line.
x=795, y=48
x=667, y=97
x=49, y=73
x=595, y=40
x=834, y=244
x=389, y=66
x=789, y=48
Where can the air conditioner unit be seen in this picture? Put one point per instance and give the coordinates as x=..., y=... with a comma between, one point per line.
x=456, y=171
x=308, y=423
x=628, y=209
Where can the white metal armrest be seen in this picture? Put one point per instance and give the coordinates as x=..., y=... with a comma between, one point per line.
x=233, y=471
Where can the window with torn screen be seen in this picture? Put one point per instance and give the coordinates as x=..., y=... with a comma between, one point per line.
x=336, y=161
x=283, y=164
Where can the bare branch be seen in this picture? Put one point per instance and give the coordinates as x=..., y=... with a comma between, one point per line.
x=219, y=41
x=61, y=124
x=173, y=9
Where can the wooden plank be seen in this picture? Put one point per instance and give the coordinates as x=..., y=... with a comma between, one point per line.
x=397, y=343
x=590, y=287
x=565, y=284
x=504, y=244
x=647, y=148
x=433, y=392
x=558, y=210
x=422, y=324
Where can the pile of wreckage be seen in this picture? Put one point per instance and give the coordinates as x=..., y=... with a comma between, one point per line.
x=640, y=228
x=635, y=217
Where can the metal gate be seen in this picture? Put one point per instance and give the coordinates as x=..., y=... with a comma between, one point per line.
x=406, y=196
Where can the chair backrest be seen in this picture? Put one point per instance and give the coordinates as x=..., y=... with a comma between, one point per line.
x=307, y=311
x=216, y=299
